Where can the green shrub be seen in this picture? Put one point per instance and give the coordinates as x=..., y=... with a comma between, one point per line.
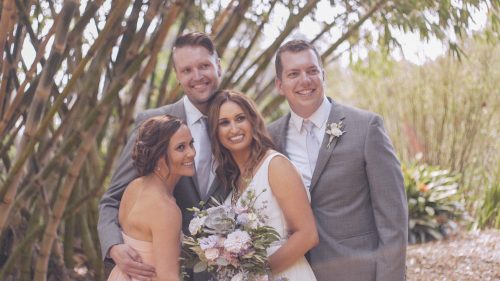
x=445, y=109
x=434, y=203
x=489, y=210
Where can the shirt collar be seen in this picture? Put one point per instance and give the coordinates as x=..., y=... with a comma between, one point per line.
x=193, y=114
x=318, y=118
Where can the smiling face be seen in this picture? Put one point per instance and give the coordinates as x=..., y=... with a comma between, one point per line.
x=301, y=81
x=181, y=152
x=198, y=72
x=234, y=129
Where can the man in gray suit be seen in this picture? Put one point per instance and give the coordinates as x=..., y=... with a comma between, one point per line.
x=198, y=71
x=353, y=174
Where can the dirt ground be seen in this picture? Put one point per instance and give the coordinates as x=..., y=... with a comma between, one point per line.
x=468, y=256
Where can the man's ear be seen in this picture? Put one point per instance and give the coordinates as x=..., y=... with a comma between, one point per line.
x=277, y=84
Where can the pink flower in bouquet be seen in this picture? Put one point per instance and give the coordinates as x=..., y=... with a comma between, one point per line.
x=231, y=258
x=212, y=254
x=239, y=209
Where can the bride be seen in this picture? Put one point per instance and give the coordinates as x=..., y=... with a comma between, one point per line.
x=246, y=161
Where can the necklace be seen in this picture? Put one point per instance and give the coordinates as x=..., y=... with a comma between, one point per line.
x=238, y=190
x=160, y=176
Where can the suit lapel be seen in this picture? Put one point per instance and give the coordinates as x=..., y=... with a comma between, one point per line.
x=177, y=109
x=281, y=132
x=336, y=115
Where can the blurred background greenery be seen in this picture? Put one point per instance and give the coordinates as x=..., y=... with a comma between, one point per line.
x=75, y=73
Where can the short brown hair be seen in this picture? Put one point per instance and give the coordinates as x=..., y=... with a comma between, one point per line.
x=152, y=142
x=196, y=39
x=227, y=170
x=293, y=46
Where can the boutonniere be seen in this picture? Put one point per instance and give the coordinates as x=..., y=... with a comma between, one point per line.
x=334, y=130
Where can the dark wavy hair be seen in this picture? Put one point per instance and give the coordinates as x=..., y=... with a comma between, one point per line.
x=227, y=170
x=152, y=141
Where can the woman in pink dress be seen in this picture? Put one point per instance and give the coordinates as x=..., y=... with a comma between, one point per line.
x=149, y=216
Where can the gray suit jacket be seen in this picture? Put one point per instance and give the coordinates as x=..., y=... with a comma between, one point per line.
x=186, y=191
x=358, y=200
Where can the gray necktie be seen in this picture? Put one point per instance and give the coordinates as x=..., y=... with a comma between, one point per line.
x=312, y=144
x=204, y=158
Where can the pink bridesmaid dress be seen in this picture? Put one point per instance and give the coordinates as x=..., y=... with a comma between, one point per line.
x=145, y=250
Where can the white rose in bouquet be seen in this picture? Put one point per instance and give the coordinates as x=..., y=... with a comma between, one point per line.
x=237, y=241
x=195, y=224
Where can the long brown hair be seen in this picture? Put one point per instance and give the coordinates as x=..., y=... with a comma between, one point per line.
x=227, y=170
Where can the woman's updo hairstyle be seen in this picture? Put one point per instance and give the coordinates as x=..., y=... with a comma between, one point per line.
x=152, y=141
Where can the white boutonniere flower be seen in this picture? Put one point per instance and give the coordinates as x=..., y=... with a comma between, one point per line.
x=334, y=130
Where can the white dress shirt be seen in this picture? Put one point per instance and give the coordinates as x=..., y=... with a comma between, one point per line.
x=296, y=138
x=192, y=119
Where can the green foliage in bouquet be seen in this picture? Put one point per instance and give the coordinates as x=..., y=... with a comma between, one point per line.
x=434, y=203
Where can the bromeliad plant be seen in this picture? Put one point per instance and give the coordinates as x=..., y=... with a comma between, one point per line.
x=434, y=203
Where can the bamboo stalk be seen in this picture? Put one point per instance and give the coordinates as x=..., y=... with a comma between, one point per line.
x=128, y=36
x=89, y=246
x=260, y=95
x=219, y=20
x=6, y=19
x=8, y=144
x=69, y=234
x=74, y=139
x=61, y=202
x=162, y=93
x=6, y=73
x=22, y=249
x=240, y=59
x=273, y=103
x=228, y=30
x=8, y=190
x=29, y=75
x=265, y=57
x=54, y=219
x=150, y=14
x=90, y=10
x=41, y=95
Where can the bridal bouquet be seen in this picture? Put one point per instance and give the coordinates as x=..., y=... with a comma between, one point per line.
x=230, y=241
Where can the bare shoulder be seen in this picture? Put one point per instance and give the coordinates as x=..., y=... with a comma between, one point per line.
x=281, y=165
x=160, y=200
x=160, y=209
x=282, y=172
x=131, y=193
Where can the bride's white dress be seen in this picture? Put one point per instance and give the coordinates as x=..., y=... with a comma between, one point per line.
x=301, y=270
